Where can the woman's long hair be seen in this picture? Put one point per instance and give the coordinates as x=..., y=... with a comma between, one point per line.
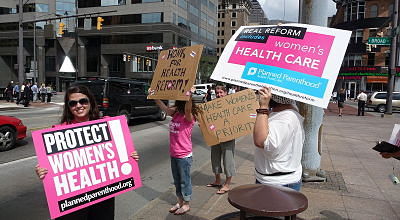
x=67, y=116
x=180, y=107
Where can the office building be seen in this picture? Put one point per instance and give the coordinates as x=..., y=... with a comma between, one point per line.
x=138, y=28
x=366, y=63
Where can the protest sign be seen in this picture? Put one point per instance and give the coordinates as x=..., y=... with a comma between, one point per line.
x=227, y=118
x=87, y=163
x=175, y=73
x=297, y=61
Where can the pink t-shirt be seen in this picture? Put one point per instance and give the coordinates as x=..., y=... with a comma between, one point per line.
x=180, y=136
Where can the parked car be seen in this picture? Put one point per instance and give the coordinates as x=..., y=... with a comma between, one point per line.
x=11, y=130
x=377, y=101
x=198, y=96
x=121, y=96
x=203, y=87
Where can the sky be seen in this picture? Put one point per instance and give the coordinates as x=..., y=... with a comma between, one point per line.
x=274, y=9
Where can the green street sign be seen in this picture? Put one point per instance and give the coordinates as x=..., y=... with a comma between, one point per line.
x=380, y=40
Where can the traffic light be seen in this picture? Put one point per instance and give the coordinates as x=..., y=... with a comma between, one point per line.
x=99, y=23
x=60, y=28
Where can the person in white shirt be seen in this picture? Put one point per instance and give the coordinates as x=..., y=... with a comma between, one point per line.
x=362, y=98
x=278, y=136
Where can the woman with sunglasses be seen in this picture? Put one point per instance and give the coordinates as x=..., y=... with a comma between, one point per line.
x=80, y=106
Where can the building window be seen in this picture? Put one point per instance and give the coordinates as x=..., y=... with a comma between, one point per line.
x=132, y=39
x=372, y=32
x=217, y=33
x=354, y=10
x=203, y=16
x=234, y=6
x=373, y=11
x=212, y=7
x=234, y=15
x=222, y=41
x=390, y=10
x=371, y=59
x=194, y=28
x=222, y=33
x=182, y=4
x=233, y=31
x=356, y=37
x=217, y=41
x=222, y=24
x=194, y=10
x=182, y=22
x=203, y=33
x=146, y=1
x=222, y=15
x=352, y=60
x=217, y=49
x=233, y=24
x=152, y=18
x=50, y=64
x=112, y=2
x=42, y=7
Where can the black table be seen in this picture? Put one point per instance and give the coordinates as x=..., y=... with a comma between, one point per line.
x=267, y=200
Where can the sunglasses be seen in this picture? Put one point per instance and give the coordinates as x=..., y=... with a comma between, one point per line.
x=73, y=103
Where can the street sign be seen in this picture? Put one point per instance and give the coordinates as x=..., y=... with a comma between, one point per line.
x=380, y=40
x=87, y=24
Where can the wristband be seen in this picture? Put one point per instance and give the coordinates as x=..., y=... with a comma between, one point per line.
x=263, y=111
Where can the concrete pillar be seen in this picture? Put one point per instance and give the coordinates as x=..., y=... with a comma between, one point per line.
x=82, y=64
x=313, y=12
x=41, y=60
x=104, y=71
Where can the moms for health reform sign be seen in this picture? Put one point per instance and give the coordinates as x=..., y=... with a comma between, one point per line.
x=297, y=61
x=87, y=163
x=175, y=73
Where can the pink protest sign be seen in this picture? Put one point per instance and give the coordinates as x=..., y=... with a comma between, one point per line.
x=297, y=61
x=87, y=163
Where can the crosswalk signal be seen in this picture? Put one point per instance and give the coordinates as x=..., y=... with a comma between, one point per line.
x=99, y=23
x=61, y=28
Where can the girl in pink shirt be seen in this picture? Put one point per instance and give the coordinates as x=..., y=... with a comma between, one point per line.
x=180, y=148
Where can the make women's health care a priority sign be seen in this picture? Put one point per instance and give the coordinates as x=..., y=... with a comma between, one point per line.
x=297, y=61
x=87, y=163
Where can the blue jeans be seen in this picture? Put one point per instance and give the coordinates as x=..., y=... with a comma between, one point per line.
x=296, y=186
x=180, y=168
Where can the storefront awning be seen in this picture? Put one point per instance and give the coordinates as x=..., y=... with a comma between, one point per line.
x=377, y=79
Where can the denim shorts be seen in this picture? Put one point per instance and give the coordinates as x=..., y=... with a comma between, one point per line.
x=180, y=168
x=296, y=186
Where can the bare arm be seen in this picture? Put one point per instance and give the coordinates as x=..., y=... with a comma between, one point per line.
x=261, y=127
x=169, y=111
x=188, y=110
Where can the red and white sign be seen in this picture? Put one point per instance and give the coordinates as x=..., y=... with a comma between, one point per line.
x=153, y=48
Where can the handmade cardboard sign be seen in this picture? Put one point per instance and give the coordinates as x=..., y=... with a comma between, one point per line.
x=297, y=61
x=227, y=118
x=175, y=73
x=87, y=163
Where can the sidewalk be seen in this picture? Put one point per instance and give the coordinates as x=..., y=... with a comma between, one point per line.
x=55, y=100
x=358, y=185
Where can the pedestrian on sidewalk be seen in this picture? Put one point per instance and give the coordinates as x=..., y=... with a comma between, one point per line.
x=9, y=92
x=279, y=137
x=35, y=91
x=43, y=92
x=80, y=106
x=49, y=93
x=27, y=94
x=16, y=92
x=341, y=99
x=180, y=148
x=224, y=151
x=362, y=98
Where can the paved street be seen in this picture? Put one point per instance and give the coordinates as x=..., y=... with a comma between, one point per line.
x=358, y=185
x=22, y=190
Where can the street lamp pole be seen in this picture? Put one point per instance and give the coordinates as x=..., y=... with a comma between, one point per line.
x=393, y=48
x=21, y=69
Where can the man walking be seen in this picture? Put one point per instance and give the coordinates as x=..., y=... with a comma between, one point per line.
x=35, y=91
x=362, y=98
